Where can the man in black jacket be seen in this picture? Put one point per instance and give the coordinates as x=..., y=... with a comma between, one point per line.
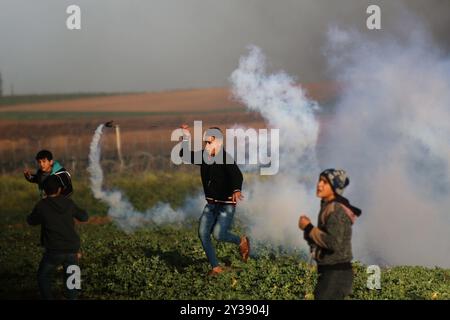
x=222, y=183
x=48, y=167
x=55, y=213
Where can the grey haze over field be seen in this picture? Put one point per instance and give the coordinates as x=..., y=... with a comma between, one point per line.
x=157, y=45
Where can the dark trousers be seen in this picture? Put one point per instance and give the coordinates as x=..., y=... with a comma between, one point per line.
x=334, y=284
x=47, y=269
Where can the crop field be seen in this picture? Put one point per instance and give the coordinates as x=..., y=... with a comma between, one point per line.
x=156, y=261
x=39, y=98
x=146, y=122
x=167, y=261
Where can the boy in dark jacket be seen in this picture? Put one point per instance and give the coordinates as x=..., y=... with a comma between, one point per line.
x=55, y=214
x=222, y=183
x=330, y=240
x=48, y=167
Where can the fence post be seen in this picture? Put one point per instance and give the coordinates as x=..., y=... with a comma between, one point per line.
x=119, y=146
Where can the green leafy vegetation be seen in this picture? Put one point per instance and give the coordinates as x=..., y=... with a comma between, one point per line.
x=167, y=262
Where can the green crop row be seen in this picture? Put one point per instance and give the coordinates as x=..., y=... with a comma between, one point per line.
x=167, y=262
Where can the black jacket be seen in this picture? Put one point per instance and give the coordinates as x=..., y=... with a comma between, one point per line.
x=60, y=172
x=55, y=215
x=220, y=180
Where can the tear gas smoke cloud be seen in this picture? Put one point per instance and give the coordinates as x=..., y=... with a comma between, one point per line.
x=391, y=132
x=120, y=209
x=273, y=205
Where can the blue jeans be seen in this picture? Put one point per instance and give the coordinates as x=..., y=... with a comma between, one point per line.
x=47, y=268
x=216, y=219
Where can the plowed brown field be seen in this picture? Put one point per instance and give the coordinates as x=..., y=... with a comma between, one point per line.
x=146, y=121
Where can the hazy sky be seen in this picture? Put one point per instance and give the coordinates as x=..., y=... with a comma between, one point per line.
x=151, y=45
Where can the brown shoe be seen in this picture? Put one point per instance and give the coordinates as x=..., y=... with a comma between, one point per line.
x=216, y=270
x=244, y=248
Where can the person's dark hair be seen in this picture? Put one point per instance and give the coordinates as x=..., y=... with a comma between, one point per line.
x=51, y=185
x=212, y=132
x=215, y=128
x=44, y=154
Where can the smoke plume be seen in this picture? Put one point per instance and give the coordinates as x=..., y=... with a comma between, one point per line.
x=391, y=131
x=274, y=203
x=120, y=209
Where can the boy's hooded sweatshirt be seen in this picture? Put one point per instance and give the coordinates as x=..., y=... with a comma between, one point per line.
x=55, y=215
x=330, y=240
x=60, y=172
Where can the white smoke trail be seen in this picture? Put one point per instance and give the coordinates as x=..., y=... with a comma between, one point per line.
x=392, y=133
x=269, y=208
x=273, y=204
x=120, y=209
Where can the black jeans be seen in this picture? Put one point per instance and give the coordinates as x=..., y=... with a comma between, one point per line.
x=47, y=268
x=334, y=284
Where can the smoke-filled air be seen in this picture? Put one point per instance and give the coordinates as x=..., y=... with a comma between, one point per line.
x=389, y=130
x=120, y=209
x=274, y=203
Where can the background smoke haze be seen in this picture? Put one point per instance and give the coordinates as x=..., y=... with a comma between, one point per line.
x=120, y=208
x=141, y=45
x=389, y=130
